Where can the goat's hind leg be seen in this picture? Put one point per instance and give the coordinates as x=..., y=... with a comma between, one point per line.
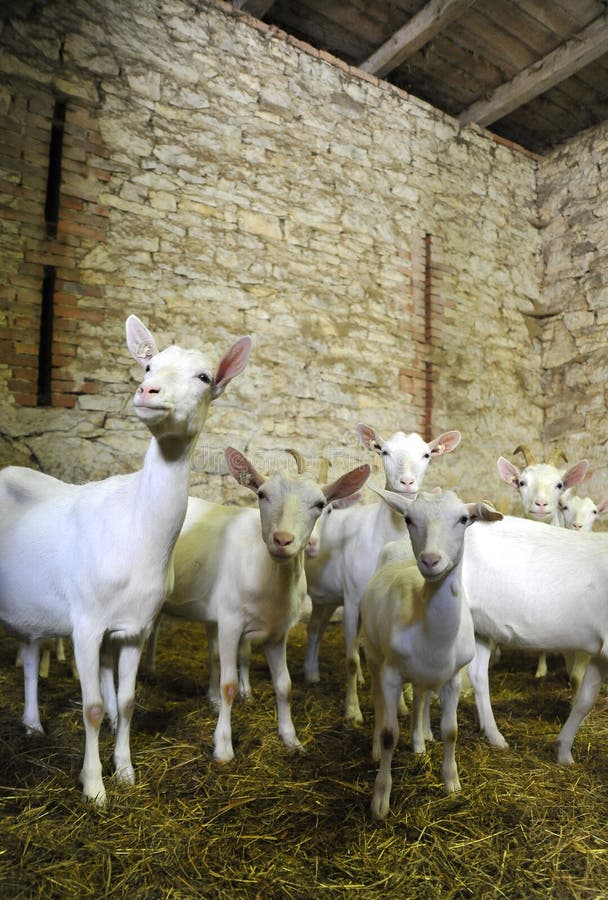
x=596, y=671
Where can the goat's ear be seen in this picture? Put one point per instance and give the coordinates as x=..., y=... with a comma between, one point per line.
x=369, y=437
x=232, y=363
x=241, y=469
x=508, y=472
x=140, y=342
x=576, y=473
x=602, y=507
x=445, y=443
x=346, y=485
x=483, y=512
x=397, y=502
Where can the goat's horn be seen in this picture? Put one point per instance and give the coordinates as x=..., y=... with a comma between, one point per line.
x=556, y=456
x=324, y=470
x=526, y=453
x=299, y=460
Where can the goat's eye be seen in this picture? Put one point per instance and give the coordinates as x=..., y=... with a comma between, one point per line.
x=385, y=453
x=464, y=519
x=204, y=377
x=427, y=456
x=320, y=505
x=262, y=495
x=559, y=485
x=147, y=369
x=522, y=483
x=594, y=512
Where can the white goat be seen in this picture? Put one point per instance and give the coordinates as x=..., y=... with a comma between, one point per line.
x=249, y=586
x=533, y=587
x=352, y=541
x=93, y=561
x=541, y=487
x=579, y=513
x=416, y=627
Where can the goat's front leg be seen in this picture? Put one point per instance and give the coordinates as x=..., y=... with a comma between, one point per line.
x=30, y=659
x=276, y=654
x=228, y=645
x=107, y=659
x=583, y=704
x=319, y=617
x=128, y=663
x=478, y=675
x=420, y=719
x=450, y=694
x=390, y=685
x=352, y=712
x=86, y=654
x=244, y=659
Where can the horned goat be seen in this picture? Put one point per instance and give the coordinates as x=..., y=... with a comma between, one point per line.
x=246, y=582
x=541, y=487
x=94, y=561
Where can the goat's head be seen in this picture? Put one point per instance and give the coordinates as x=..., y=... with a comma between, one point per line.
x=289, y=503
x=540, y=485
x=406, y=457
x=579, y=513
x=178, y=385
x=436, y=523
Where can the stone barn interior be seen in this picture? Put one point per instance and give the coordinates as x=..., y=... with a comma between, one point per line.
x=405, y=205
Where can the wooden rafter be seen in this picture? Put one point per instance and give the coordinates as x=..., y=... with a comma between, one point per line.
x=574, y=54
x=414, y=35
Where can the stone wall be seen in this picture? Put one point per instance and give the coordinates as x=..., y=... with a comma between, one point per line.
x=220, y=178
x=573, y=211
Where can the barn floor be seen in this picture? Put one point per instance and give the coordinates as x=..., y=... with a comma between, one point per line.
x=274, y=825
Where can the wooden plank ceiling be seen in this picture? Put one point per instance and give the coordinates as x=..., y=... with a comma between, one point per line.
x=533, y=71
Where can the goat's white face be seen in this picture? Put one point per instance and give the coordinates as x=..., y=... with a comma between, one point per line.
x=289, y=508
x=578, y=513
x=541, y=485
x=178, y=386
x=175, y=393
x=406, y=457
x=436, y=523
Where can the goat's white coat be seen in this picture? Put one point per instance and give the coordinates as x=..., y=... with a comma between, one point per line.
x=241, y=571
x=93, y=561
x=416, y=627
x=535, y=587
x=351, y=543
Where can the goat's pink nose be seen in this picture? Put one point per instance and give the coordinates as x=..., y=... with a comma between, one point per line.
x=577, y=526
x=407, y=481
x=283, y=538
x=147, y=389
x=429, y=560
x=542, y=504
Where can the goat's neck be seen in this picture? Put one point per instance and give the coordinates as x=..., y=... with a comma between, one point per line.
x=162, y=494
x=443, y=602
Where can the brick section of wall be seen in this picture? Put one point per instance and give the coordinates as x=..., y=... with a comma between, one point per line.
x=25, y=128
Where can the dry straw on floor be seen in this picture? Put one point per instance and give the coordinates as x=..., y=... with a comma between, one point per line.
x=275, y=825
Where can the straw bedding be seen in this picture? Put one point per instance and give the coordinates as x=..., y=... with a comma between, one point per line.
x=279, y=825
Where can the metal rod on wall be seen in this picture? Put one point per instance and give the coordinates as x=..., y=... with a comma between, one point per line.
x=428, y=338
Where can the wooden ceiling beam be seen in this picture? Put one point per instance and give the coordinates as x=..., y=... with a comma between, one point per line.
x=541, y=76
x=430, y=20
x=257, y=8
